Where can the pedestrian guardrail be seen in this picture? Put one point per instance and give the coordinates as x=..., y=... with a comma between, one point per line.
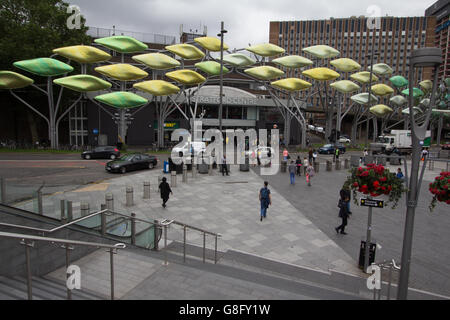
x=68, y=245
x=391, y=266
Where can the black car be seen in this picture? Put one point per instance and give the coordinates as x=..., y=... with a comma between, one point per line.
x=329, y=149
x=131, y=162
x=106, y=152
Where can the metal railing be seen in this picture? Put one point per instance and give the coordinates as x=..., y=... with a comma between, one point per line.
x=141, y=36
x=389, y=265
x=68, y=245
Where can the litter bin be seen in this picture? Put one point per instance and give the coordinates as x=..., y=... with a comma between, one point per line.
x=166, y=167
x=283, y=166
x=362, y=251
x=245, y=166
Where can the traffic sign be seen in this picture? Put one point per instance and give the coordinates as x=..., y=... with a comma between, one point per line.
x=372, y=203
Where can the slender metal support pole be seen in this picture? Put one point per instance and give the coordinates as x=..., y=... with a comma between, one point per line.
x=103, y=222
x=69, y=211
x=369, y=231
x=221, y=78
x=165, y=245
x=390, y=282
x=184, y=244
x=111, y=255
x=29, y=283
x=133, y=228
x=3, y=190
x=215, y=251
x=69, y=292
x=204, y=247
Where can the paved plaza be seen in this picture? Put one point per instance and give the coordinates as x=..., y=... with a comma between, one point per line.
x=299, y=229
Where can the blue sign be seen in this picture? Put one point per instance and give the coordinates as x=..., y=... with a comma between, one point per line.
x=95, y=131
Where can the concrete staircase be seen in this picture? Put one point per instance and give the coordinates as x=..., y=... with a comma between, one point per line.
x=43, y=288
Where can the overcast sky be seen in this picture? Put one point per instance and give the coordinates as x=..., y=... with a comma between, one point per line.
x=247, y=21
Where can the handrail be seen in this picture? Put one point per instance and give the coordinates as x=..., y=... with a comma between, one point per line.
x=62, y=241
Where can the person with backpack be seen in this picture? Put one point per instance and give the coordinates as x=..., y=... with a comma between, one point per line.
x=344, y=214
x=165, y=190
x=265, y=199
x=310, y=172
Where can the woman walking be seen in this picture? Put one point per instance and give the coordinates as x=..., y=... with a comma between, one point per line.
x=165, y=190
x=343, y=213
x=309, y=174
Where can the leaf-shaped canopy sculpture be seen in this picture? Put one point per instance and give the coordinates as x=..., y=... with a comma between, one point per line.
x=238, y=60
x=322, y=51
x=83, y=54
x=157, y=61
x=210, y=43
x=13, y=80
x=186, y=51
x=380, y=110
x=264, y=72
x=363, y=98
x=417, y=93
x=382, y=89
x=416, y=110
x=346, y=65
x=293, y=62
x=122, y=100
x=122, y=44
x=186, y=77
x=345, y=86
x=212, y=68
x=44, y=67
x=321, y=74
x=382, y=69
x=266, y=50
x=399, y=81
x=426, y=85
x=364, y=77
x=83, y=83
x=157, y=87
x=398, y=101
x=292, y=84
x=122, y=71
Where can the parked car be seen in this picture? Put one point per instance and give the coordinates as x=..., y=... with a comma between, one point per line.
x=196, y=146
x=344, y=139
x=319, y=129
x=106, y=152
x=446, y=146
x=330, y=148
x=131, y=162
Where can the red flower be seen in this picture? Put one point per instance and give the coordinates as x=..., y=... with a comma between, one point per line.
x=365, y=174
x=383, y=179
x=356, y=185
x=376, y=184
x=383, y=188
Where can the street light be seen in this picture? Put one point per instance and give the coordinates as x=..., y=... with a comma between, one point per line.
x=371, y=55
x=420, y=58
x=222, y=32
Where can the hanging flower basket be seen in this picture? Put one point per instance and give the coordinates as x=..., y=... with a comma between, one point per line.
x=375, y=180
x=440, y=189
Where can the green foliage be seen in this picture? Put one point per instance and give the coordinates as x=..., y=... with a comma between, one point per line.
x=32, y=29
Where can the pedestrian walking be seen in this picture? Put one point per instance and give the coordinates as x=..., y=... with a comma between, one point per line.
x=165, y=190
x=336, y=154
x=310, y=172
x=292, y=169
x=266, y=199
x=365, y=153
x=314, y=156
x=298, y=162
x=224, y=165
x=310, y=155
x=424, y=154
x=305, y=165
x=285, y=154
x=343, y=214
x=345, y=193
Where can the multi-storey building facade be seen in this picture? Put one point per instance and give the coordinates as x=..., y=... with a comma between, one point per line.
x=441, y=10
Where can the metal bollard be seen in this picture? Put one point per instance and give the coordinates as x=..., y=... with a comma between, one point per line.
x=347, y=164
x=109, y=199
x=210, y=167
x=2, y=190
x=431, y=166
x=69, y=211
x=84, y=206
x=338, y=164
x=173, y=179
x=185, y=177
x=146, y=189
x=194, y=170
x=39, y=199
x=316, y=166
x=129, y=196
x=329, y=165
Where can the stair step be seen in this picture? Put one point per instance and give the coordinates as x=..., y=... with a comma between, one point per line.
x=76, y=294
x=18, y=288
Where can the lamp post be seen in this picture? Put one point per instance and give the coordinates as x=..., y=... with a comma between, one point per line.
x=423, y=57
x=222, y=32
x=370, y=95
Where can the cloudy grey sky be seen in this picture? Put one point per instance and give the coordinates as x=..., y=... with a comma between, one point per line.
x=247, y=21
